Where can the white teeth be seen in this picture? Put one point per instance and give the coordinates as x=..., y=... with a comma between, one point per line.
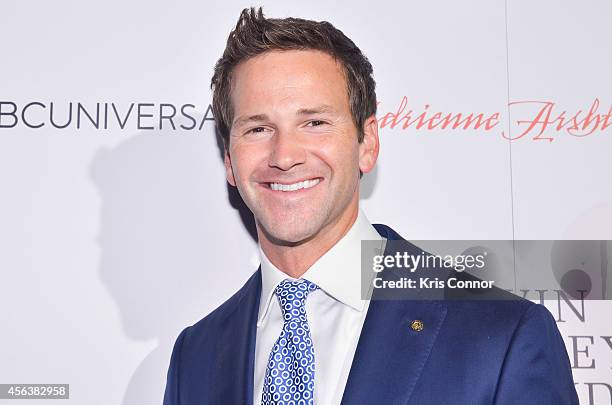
x=294, y=186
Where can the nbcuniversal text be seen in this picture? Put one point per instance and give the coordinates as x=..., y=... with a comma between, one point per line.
x=529, y=119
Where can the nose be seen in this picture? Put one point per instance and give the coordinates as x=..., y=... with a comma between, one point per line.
x=287, y=151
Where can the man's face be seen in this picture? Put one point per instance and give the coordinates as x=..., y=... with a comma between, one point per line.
x=293, y=149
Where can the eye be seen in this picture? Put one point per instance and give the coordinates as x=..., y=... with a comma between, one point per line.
x=256, y=130
x=316, y=123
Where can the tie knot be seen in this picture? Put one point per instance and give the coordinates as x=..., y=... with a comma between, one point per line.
x=292, y=296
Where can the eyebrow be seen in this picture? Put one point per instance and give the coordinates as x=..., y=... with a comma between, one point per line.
x=316, y=110
x=253, y=118
x=302, y=111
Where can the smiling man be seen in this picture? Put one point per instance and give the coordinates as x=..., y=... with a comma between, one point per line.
x=293, y=153
x=295, y=103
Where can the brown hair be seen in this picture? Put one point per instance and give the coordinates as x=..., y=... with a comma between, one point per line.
x=255, y=34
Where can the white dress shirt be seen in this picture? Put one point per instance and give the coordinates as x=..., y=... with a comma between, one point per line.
x=335, y=312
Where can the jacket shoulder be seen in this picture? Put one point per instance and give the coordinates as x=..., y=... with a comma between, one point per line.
x=488, y=308
x=196, y=350
x=215, y=319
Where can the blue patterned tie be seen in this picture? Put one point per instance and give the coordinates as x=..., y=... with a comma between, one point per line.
x=291, y=366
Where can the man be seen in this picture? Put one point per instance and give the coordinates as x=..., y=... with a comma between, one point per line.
x=295, y=104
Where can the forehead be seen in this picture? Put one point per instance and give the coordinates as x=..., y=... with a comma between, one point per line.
x=288, y=78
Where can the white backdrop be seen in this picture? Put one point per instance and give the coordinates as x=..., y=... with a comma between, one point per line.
x=112, y=240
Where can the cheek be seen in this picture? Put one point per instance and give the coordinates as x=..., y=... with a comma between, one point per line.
x=342, y=157
x=246, y=159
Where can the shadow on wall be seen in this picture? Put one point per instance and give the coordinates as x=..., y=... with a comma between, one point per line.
x=165, y=235
x=163, y=229
x=586, y=265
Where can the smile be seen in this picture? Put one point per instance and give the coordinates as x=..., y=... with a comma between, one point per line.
x=294, y=186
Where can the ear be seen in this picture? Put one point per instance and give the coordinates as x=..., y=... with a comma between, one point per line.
x=229, y=172
x=368, y=148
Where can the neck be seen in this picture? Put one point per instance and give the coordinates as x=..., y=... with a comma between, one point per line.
x=294, y=260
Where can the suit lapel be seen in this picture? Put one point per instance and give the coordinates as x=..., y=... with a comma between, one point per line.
x=390, y=355
x=236, y=348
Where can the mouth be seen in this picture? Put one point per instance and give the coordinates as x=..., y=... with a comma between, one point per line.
x=293, y=187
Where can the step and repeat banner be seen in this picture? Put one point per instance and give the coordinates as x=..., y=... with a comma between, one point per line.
x=118, y=228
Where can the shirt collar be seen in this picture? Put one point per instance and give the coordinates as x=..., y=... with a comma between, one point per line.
x=337, y=272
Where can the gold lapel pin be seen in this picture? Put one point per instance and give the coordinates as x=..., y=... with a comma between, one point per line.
x=417, y=325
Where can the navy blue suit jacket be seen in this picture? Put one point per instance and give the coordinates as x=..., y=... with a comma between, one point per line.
x=470, y=352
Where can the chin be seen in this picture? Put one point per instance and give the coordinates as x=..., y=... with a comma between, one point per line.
x=291, y=231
